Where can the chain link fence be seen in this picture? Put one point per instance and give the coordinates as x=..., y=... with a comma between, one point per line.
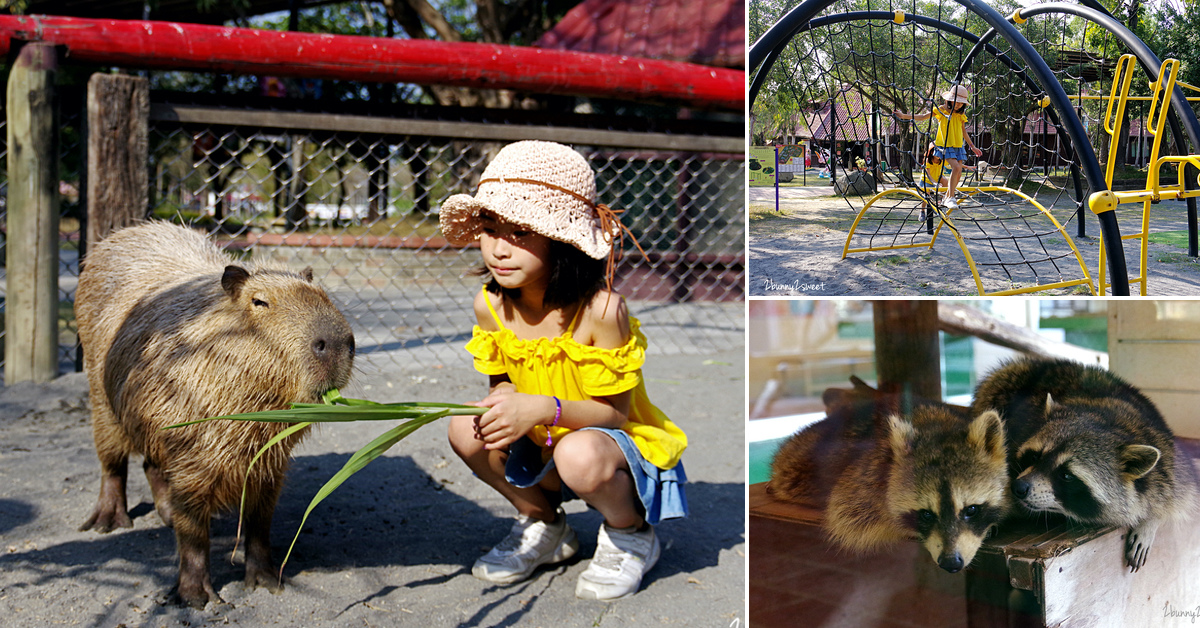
x=356, y=198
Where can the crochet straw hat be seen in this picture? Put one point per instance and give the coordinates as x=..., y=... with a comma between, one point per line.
x=544, y=186
x=958, y=93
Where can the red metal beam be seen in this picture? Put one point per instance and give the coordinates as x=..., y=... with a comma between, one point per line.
x=196, y=47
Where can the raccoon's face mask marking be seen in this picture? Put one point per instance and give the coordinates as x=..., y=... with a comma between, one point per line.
x=1058, y=483
x=953, y=530
x=953, y=541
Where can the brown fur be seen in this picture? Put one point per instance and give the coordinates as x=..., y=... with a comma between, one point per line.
x=878, y=461
x=173, y=331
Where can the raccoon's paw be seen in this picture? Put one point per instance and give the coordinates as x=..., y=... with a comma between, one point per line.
x=1137, y=545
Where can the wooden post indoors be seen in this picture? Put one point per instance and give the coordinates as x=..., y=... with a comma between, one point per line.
x=31, y=313
x=907, y=357
x=118, y=179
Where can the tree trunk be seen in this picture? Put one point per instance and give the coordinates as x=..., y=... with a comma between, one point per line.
x=118, y=147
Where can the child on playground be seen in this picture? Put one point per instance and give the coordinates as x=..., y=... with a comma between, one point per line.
x=568, y=414
x=951, y=136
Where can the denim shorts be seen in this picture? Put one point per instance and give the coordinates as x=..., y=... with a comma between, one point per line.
x=951, y=152
x=661, y=492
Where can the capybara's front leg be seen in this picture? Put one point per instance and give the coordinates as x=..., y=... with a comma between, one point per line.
x=191, y=535
x=260, y=569
x=160, y=489
x=110, y=511
x=113, y=451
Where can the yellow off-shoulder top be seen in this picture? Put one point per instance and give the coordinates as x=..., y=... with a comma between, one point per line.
x=563, y=367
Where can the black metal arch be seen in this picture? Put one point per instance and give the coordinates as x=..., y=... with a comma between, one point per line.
x=769, y=46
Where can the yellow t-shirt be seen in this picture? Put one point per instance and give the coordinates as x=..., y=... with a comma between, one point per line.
x=950, y=129
x=569, y=370
x=934, y=173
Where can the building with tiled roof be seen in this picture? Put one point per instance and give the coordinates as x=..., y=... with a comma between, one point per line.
x=705, y=32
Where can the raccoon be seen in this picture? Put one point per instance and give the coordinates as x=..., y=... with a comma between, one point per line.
x=886, y=474
x=1088, y=445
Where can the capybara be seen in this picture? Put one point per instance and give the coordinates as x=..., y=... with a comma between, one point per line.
x=174, y=330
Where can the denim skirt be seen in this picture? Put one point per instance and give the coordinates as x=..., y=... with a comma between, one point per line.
x=660, y=491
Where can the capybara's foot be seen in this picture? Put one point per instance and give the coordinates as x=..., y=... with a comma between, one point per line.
x=260, y=575
x=106, y=517
x=110, y=511
x=196, y=595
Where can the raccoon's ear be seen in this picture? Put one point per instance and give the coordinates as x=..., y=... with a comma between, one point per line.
x=901, y=434
x=1138, y=460
x=1049, y=403
x=986, y=435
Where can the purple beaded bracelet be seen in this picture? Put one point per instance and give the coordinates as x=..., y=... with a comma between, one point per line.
x=557, y=416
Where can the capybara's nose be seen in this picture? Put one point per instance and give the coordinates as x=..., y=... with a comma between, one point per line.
x=1021, y=487
x=331, y=347
x=951, y=562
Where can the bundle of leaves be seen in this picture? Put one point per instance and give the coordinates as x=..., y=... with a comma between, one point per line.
x=339, y=409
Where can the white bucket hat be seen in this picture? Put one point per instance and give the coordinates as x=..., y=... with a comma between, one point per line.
x=545, y=186
x=958, y=93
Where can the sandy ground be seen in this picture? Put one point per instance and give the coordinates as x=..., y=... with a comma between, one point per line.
x=798, y=251
x=393, y=546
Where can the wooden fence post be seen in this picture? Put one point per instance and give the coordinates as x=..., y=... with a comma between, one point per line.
x=31, y=311
x=907, y=357
x=118, y=153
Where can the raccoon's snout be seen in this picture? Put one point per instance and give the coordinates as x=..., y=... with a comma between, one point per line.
x=952, y=563
x=1021, y=487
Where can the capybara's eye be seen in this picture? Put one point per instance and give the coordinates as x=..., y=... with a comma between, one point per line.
x=260, y=303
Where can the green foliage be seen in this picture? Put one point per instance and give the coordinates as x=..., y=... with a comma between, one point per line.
x=14, y=7
x=1175, y=33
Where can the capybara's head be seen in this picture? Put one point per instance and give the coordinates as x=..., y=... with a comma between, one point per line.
x=296, y=322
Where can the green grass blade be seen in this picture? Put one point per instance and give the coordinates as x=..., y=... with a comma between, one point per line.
x=292, y=429
x=321, y=413
x=360, y=459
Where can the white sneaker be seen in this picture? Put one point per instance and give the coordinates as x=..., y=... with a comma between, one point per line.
x=622, y=558
x=529, y=544
x=949, y=204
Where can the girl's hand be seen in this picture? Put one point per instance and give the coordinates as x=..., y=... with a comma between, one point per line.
x=510, y=416
x=978, y=153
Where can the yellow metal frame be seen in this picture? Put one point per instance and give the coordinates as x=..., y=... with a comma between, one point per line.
x=1160, y=101
x=944, y=219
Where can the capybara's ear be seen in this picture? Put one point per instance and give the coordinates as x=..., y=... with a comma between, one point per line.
x=307, y=274
x=233, y=280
